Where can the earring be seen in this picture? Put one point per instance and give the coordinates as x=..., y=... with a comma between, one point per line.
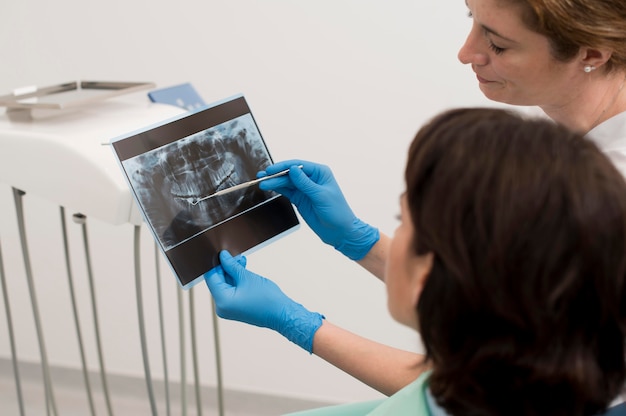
x=589, y=68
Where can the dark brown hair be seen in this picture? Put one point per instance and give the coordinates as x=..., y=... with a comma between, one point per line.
x=524, y=310
x=573, y=24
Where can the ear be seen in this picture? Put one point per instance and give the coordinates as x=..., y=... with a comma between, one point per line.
x=421, y=270
x=595, y=57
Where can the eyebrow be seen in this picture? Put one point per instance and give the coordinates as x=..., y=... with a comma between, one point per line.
x=490, y=31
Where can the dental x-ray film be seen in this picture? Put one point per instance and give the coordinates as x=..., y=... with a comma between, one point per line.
x=171, y=166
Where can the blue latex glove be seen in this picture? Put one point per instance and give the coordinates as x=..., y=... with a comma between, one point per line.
x=315, y=192
x=241, y=295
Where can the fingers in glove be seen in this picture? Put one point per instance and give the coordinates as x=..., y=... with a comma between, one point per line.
x=217, y=283
x=286, y=164
x=302, y=181
x=281, y=184
x=234, y=267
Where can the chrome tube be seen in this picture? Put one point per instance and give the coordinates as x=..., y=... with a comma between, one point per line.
x=141, y=319
x=218, y=360
x=181, y=340
x=194, y=351
x=162, y=329
x=7, y=308
x=79, y=335
x=19, y=208
x=82, y=220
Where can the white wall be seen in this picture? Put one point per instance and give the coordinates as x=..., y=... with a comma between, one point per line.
x=346, y=83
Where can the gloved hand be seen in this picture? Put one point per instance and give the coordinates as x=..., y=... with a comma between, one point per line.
x=315, y=192
x=241, y=295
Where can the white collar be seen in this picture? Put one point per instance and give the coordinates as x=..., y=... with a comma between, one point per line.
x=610, y=134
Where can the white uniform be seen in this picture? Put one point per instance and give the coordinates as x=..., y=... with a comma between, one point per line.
x=610, y=137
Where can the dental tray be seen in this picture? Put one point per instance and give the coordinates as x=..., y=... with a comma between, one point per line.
x=68, y=95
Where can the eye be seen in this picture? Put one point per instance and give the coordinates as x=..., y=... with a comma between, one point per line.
x=496, y=49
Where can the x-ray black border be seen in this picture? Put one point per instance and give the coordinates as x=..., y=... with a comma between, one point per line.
x=241, y=234
x=147, y=140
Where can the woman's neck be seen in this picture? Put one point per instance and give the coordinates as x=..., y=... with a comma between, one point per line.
x=603, y=98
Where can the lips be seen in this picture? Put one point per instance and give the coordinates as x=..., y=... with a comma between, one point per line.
x=482, y=80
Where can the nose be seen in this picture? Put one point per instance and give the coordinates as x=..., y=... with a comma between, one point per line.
x=472, y=51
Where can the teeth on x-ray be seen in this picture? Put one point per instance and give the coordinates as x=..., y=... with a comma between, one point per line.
x=169, y=179
x=191, y=200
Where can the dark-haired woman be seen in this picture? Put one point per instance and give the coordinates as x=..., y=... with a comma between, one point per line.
x=511, y=267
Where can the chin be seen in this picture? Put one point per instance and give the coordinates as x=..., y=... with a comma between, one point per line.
x=502, y=95
x=501, y=98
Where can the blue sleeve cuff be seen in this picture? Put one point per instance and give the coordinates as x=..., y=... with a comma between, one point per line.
x=361, y=240
x=302, y=328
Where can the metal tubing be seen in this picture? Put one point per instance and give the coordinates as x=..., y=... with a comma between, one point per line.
x=142, y=328
x=218, y=360
x=7, y=307
x=194, y=352
x=50, y=402
x=79, y=334
x=181, y=338
x=162, y=329
x=82, y=220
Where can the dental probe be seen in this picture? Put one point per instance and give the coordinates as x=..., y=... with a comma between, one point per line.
x=242, y=186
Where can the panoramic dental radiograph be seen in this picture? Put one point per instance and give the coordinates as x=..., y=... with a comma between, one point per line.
x=172, y=180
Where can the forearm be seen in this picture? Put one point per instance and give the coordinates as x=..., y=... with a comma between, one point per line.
x=376, y=258
x=381, y=367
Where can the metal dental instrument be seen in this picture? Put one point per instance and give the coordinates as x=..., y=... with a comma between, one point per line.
x=241, y=186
